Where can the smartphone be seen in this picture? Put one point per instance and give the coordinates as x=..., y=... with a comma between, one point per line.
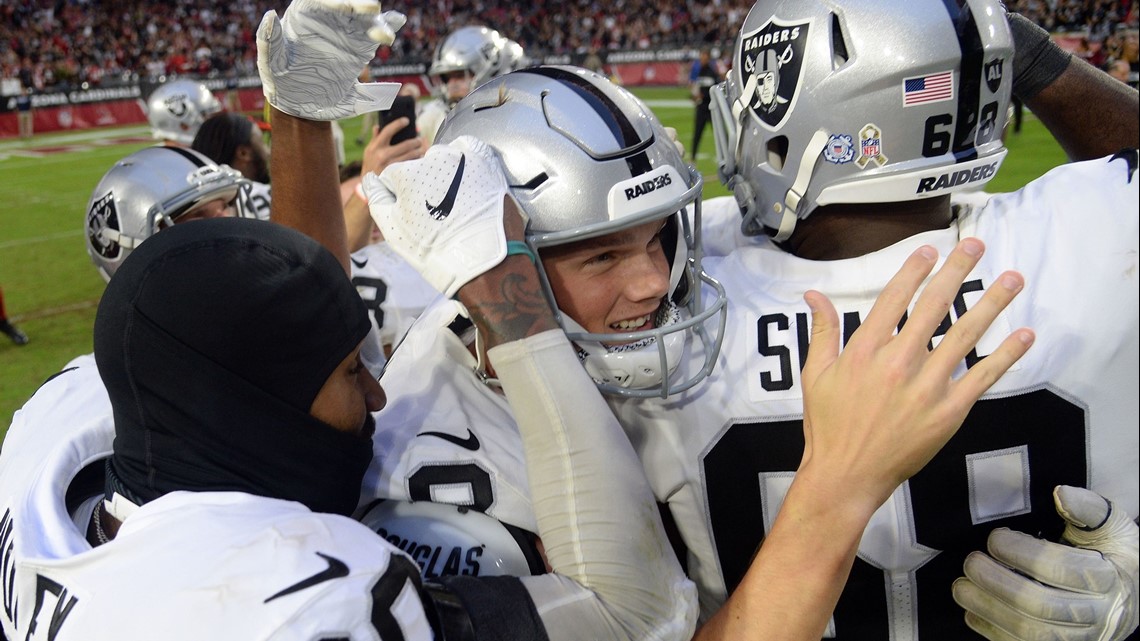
x=402, y=107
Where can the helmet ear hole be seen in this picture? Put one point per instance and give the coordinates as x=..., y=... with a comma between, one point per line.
x=778, y=152
x=839, y=54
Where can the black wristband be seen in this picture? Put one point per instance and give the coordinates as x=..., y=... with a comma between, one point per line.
x=1037, y=60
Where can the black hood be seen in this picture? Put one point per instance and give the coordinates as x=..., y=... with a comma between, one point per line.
x=213, y=338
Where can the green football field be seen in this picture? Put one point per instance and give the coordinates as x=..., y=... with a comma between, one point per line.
x=51, y=288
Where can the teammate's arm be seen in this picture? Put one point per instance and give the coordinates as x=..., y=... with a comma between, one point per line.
x=873, y=416
x=306, y=186
x=1090, y=113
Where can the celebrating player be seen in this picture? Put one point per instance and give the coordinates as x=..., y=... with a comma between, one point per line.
x=836, y=196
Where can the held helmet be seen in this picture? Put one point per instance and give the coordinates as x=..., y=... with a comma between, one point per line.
x=858, y=102
x=176, y=110
x=448, y=540
x=585, y=158
x=474, y=50
x=147, y=191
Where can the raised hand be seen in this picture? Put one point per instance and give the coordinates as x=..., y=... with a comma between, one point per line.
x=310, y=60
x=877, y=412
x=443, y=213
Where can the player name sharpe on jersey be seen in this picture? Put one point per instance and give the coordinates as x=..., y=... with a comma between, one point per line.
x=782, y=338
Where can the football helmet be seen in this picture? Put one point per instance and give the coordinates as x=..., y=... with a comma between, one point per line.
x=176, y=109
x=511, y=57
x=472, y=49
x=585, y=158
x=448, y=540
x=859, y=102
x=147, y=191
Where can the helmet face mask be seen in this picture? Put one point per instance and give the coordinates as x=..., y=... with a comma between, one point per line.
x=177, y=109
x=814, y=112
x=585, y=159
x=148, y=191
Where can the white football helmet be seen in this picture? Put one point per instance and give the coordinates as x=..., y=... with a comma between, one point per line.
x=176, y=109
x=474, y=50
x=449, y=540
x=585, y=158
x=860, y=102
x=147, y=191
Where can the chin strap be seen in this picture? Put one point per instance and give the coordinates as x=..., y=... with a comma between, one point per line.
x=800, y=185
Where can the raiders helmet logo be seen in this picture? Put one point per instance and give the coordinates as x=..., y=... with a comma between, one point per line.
x=177, y=105
x=772, y=64
x=102, y=216
x=993, y=71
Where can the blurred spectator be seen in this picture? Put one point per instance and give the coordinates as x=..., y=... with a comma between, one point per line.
x=68, y=44
x=705, y=73
x=25, y=114
x=1119, y=69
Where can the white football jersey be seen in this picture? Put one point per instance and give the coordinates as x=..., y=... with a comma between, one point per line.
x=720, y=226
x=256, y=199
x=393, y=291
x=723, y=454
x=444, y=435
x=430, y=117
x=218, y=565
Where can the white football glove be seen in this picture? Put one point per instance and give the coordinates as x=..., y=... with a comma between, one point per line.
x=309, y=61
x=1028, y=588
x=443, y=213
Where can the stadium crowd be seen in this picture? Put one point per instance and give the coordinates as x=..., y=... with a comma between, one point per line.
x=71, y=42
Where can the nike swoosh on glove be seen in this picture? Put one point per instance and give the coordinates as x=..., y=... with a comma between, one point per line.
x=443, y=213
x=1027, y=588
x=310, y=59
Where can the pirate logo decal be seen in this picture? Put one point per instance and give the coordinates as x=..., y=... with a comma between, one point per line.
x=101, y=218
x=178, y=105
x=772, y=63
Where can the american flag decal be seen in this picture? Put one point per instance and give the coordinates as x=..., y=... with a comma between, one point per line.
x=922, y=90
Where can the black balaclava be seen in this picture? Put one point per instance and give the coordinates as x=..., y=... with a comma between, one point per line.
x=213, y=339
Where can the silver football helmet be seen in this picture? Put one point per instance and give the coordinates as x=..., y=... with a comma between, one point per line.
x=472, y=49
x=585, y=158
x=856, y=102
x=448, y=540
x=147, y=191
x=512, y=57
x=177, y=109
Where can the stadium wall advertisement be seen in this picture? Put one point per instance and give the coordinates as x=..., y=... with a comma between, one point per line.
x=125, y=105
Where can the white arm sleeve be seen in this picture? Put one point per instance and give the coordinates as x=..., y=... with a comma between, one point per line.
x=617, y=576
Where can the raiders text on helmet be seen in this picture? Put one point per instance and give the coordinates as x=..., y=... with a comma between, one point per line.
x=860, y=102
x=585, y=158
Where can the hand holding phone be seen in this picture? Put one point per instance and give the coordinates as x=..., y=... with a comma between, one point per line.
x=402, y=107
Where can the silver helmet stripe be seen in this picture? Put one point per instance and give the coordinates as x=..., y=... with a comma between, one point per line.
x=620, y=126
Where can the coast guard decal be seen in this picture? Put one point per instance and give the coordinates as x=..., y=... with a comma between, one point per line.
x=772, y=63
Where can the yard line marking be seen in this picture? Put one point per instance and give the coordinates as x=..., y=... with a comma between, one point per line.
x=54, y=311
x=40, y=239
